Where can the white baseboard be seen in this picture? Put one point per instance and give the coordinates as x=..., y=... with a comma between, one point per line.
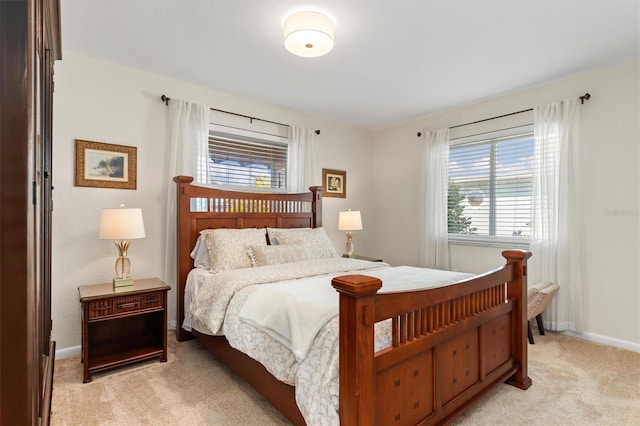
x=618, y=343
x=171, y=325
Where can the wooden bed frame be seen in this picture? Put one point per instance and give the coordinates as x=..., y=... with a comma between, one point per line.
x=450, y=344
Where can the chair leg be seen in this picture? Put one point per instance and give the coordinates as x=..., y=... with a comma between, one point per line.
x=529, y=333
x=540, y=325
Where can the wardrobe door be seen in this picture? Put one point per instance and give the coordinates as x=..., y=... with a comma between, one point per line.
x=29, y=43
x=19, y=369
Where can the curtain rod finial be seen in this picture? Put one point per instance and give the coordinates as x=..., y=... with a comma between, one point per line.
x=317, y=131
x=165, y=99
x=419, y=134
x=585, y=97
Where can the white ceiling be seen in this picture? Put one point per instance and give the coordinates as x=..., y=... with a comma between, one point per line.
x=393, y=60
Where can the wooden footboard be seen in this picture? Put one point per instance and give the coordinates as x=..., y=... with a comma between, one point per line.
x=449, y=346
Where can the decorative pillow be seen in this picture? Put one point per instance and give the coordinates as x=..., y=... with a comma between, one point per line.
x=271, y=233
x=200, y=253
x=314, y=238
x=227, y=247
x=274, y=255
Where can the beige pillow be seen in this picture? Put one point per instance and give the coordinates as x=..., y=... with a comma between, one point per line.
x=274, y=255
x=315, y=239
x=227, y=247
x=271, y=233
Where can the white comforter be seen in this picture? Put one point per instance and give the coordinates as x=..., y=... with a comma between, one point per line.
x=210, y=303
x=306, y=305
x=311, y=365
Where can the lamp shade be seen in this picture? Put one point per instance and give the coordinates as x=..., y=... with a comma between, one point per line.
x=308, y=34
x=121, y=224
x=349, y=221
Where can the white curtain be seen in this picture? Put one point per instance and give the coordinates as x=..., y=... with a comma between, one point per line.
x=189, y=155
x=556, y=225
x=300, y=161
x=434, y=242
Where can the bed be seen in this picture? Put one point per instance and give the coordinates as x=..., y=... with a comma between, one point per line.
x=447, y=345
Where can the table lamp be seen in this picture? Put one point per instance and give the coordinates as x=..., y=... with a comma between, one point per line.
x=122, y=225
x=349, y=221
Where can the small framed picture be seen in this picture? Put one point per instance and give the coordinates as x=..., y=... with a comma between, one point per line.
x=335, y=183
x=104, y=165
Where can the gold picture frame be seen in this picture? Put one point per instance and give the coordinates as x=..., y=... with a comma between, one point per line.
x=335, y=183
x=105, y=165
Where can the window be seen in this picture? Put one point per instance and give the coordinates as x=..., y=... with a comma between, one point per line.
x=490, y=189
x=249, y=154
x=247, y=162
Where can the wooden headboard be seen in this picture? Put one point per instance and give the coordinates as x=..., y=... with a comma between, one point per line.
x=201, y=208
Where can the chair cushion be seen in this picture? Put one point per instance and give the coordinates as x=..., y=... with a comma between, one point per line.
x=539, y=296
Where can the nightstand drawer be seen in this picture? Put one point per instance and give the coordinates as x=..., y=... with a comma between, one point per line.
x=100, y=308
x=125, y=304
x=144, y=301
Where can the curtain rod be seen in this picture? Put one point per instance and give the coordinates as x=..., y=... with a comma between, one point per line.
x=582, y=98
x=166, y=100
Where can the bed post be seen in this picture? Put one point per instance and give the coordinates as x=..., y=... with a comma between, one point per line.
x=517, y=290
x=184, y=262
x=356, y=348
x=316, y=206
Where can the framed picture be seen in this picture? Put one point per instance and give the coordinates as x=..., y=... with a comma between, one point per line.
x=335, y=183
x=104, y=165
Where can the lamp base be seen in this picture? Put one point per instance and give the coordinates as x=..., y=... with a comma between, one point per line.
x=349, y=248
x=122, y=282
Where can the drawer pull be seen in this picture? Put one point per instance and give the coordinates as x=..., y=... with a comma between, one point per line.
x=156, y=300
x=131, y=305
x=101, y=308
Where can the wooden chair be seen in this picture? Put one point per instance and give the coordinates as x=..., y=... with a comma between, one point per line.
x=538, y=298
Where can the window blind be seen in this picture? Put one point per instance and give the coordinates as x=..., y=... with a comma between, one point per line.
x=490, y=187
x=247, y=162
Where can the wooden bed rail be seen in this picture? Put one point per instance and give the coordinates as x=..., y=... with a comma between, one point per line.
x=449, y=345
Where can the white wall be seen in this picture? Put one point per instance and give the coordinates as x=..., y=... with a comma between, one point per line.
x=100, y=101
x=610, y=182
x=104, y=102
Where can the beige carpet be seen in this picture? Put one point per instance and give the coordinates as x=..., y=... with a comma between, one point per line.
x=574, y=383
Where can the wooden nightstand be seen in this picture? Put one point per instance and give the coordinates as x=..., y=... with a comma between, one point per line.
x=370, y=259
x=122, y=327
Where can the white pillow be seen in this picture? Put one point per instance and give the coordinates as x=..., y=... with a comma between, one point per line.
x=274, y=255
x=227, y=247
x=200, y=253
x=271, y=233
x=314, y=238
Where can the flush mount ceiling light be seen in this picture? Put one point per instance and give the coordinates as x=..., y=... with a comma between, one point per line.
x=308, y=34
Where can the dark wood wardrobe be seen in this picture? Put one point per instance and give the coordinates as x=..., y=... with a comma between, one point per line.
x=29, y=46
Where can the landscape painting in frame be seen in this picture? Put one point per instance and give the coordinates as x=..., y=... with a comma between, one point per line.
x=105, y=165
x=335, y=183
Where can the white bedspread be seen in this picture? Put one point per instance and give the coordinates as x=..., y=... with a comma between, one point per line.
x=277, y=358
x=303, y=309
x=219, y=301
x=306, y=305
x=209, y=306
x=197, y=278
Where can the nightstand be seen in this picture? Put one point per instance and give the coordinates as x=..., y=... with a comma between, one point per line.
x=370, y=259
x=122, y=327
